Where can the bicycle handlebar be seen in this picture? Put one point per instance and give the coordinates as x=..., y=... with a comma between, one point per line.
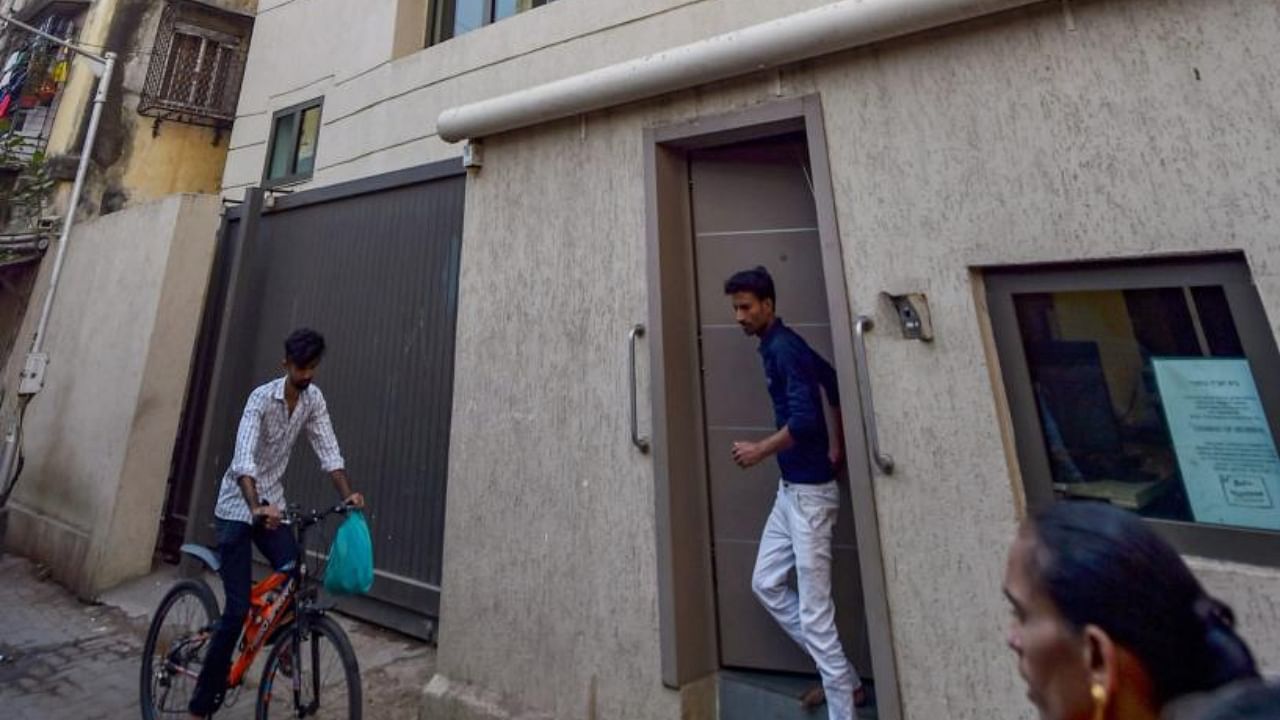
x=295, y=514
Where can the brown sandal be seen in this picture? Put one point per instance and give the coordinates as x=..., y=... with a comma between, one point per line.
x=813, y=698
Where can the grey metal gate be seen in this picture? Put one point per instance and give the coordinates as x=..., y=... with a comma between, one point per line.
x=373, y=265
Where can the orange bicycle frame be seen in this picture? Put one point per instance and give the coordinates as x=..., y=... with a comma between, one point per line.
x=267, y=603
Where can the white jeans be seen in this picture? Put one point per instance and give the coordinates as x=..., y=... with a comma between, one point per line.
x=798, y=535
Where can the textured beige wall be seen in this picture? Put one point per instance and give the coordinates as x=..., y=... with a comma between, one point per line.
x=1121, y=129
x=1021, y=138
x=1149, y=128
x=550, y=577
x=99, y=437
x=125, y=535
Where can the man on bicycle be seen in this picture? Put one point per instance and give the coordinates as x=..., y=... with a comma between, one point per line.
x=251, y=498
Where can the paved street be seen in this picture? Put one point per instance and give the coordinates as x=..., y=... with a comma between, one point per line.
x=66, y=659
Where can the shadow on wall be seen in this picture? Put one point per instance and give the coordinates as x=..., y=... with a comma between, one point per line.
x=16, y=283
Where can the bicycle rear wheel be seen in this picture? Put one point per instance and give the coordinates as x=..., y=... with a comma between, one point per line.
x=322, y=682
x=174, y=651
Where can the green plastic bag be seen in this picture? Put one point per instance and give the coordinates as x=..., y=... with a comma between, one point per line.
x=350, y=568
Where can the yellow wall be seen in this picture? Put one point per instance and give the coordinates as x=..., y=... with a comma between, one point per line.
x=182, y=158
x=177, y=158
x=78, y=92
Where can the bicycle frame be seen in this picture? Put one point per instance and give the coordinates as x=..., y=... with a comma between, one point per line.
x=272, y=599
x=268, y=601
x=283, y=607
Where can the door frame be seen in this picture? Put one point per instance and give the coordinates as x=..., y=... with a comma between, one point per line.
x=686, y=586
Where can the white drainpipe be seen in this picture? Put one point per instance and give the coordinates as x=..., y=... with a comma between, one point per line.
x=812, y=33
x=31, y=381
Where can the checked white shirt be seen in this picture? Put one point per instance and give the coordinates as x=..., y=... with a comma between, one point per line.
x=265, y=441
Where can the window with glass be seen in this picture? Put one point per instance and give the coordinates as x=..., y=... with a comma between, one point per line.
x=291, y=155
x=451, y=18
x=1152, y=386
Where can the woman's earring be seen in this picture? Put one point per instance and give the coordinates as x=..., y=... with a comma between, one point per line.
x=1099, y=701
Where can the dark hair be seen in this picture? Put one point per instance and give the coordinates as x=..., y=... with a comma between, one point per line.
x=755, y=281
x=303, y=347
x=1103, y=566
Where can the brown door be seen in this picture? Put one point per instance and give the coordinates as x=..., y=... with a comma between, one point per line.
x=753, y=205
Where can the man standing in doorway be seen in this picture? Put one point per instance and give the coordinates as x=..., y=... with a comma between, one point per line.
x=798, y=533
x=251, y=498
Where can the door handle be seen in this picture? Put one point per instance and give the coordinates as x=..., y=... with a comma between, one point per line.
x=861, y=327
x=641, y=443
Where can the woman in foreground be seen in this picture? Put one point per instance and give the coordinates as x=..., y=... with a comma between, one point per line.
x=1108, y=621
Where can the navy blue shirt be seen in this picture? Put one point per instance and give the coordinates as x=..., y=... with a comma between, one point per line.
x=796, y=376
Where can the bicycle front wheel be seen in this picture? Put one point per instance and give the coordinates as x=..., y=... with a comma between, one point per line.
x=174, y=651
x=313, y=674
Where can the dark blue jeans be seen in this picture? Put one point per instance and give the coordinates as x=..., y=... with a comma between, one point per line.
x=235, y=546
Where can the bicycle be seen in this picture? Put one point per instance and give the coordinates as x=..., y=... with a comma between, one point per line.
x=283, y=614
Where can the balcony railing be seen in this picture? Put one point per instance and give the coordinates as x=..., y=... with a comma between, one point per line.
x=33, y=75
x=197, y=64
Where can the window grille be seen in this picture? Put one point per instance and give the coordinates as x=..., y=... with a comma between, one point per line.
x=197, y=63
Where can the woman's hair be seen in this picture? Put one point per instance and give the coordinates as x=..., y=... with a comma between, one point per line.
x=1103, y=566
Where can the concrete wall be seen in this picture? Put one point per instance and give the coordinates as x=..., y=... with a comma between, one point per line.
x=1121, y=129
x=1147, y=129
x=99, y=437
x=380, y=113
x=549, y=525
x=1014, y=139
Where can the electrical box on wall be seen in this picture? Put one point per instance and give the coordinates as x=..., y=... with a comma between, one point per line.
x=472, y=154
x=31, y=381
x=912, y=310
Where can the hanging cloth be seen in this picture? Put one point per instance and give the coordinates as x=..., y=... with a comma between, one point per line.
x=17, y=82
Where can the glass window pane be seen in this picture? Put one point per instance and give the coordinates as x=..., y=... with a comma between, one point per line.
x=307, y=141
x=504, y=9
x=282, y=147
x=1211, y=302
x=507, y=8
x=468, y=15
x=1146, y=400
